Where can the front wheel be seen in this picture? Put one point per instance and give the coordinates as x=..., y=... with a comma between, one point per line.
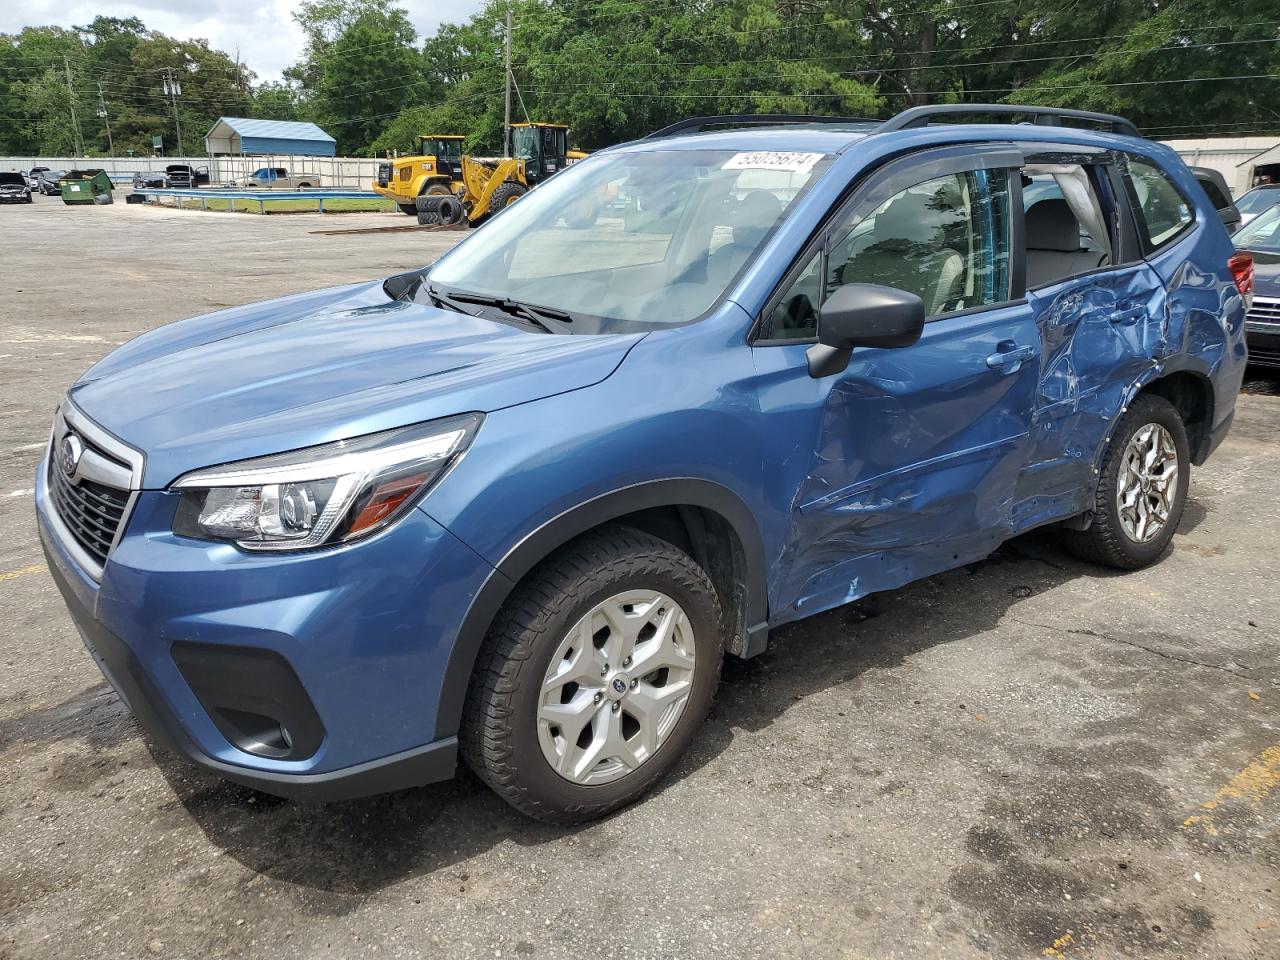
x=1142, y=488
x=595, y=676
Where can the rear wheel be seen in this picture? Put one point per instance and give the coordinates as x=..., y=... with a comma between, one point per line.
x=408, y=209
x=1142, y=488
x=595, y=676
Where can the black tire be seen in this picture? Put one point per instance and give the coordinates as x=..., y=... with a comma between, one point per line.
x=1105, y=541
x=449, y=210
x=408, y=209
x=506, y=194
x=436, y=189
x=499, y=735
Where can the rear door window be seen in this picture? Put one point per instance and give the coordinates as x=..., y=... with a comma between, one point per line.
x=1162, y=211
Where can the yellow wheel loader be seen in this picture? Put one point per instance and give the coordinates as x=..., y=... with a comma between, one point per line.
x=539, y=150
x=435, y=172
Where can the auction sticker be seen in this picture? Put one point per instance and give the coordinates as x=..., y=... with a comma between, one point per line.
x=784, y=160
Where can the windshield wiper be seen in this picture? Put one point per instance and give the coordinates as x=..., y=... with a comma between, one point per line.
x=444, y=300
x=544, y=318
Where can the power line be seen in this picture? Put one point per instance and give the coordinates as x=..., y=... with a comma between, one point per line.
x=980, y=49
x=873, y=71
x=1031, y=88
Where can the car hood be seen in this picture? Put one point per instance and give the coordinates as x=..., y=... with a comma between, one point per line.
x=318, y=367
x=1266, y=273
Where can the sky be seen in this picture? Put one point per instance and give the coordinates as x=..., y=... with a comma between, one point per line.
x=263, y=30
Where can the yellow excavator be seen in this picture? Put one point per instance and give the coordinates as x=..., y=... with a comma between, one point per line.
x=444, y=186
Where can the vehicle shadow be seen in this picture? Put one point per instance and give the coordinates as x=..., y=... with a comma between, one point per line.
x=342, y=852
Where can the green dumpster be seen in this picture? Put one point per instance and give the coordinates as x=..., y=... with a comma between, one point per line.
x=86, y=186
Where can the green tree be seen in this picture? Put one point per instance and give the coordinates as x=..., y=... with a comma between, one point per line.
x=361, y=68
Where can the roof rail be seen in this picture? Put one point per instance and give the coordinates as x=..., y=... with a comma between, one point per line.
x=746, y=120
x=1044, y=116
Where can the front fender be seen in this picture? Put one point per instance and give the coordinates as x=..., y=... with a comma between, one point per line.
x=536, y=546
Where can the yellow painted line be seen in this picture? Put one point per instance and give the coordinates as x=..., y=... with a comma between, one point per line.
x=1060, y=945
x=22, y=572
x=1251, y=784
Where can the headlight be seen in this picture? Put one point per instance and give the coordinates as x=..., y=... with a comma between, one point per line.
x=320, y=495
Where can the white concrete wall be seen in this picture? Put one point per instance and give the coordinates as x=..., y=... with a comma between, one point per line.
x=348, y=173
x=1231, y=156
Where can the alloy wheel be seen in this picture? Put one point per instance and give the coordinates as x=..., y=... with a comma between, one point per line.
x=1147, y=483
x=616, y=687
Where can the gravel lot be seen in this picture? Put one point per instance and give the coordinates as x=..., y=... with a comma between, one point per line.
x=1009, y=760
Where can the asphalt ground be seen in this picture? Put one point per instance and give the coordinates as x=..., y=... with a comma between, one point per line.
x=1026, y=757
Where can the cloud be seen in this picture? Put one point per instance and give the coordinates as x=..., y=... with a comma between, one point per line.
x=264, y=32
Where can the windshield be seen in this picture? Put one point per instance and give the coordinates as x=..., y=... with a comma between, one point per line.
x=444, y=149
x=524, y=143
x=1262, y=234
x=1255, y=201
x=632, y=241
x=15, y=178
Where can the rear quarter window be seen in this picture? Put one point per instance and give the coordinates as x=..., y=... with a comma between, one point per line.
x=1215, y=195
x=1162, y=211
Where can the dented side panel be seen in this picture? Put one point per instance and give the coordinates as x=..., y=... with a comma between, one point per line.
x=1100, y=334
x=904, y=465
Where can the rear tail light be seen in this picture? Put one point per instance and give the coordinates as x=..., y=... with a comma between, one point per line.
x=1241, y=267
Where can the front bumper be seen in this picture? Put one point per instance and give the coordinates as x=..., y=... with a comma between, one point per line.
x=1264, y=346
x=364, y=631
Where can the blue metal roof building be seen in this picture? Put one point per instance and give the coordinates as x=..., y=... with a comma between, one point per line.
x=241, y=136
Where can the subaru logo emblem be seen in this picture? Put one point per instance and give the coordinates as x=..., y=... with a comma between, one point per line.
x=69, y=454
x=619, y=685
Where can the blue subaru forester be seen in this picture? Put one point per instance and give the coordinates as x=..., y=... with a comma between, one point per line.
x=521, y=503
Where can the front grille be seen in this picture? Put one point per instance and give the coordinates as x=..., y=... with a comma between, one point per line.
x=1264, y=356
x=1265, y=311
x=384, y=173
x=91, y=511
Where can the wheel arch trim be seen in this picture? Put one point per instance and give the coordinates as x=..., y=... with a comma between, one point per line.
x=537, y=545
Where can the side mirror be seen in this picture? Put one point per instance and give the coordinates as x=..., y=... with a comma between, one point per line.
x=863, y=315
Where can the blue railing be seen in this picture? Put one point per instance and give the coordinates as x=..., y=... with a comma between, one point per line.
x=260, y=197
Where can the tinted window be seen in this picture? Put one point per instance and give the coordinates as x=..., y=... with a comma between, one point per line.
x=1215, y=195
x=1161, y=209
x=945, y=240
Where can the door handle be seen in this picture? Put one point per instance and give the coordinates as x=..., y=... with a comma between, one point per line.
x=1009, y=356
x=1128, y=315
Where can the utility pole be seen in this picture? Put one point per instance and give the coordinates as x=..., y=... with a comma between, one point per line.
x=506, y=123
x=102, y=112
x=71, y=102
x=172, y=89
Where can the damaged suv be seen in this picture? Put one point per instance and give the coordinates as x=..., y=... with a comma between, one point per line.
x=519, y=505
